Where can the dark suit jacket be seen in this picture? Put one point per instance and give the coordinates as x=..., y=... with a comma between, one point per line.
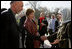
x=9, y=30
x=21, y=24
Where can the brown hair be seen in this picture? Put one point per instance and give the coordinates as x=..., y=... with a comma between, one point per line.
x=29, y=11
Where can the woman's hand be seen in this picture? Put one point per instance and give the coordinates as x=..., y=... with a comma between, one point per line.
x=43, y=38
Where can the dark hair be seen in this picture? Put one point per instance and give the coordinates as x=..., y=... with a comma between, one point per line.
x=12, y=2
x=29, y=11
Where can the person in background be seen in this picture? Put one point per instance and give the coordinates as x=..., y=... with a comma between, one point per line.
x=40, y=22
x=58, y=22
x=51, y=29
x=48, y=21
x=52, y=24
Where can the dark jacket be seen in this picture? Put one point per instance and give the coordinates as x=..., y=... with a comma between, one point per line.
x=21, y=24
x=9, y=30
x=32, y=40
x=44, y=28
x=22, y=29
x=56, y=25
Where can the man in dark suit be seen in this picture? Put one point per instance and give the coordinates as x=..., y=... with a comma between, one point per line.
x=9, y=28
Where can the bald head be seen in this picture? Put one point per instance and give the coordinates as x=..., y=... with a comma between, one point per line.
x=12, y=2
x=16, y=6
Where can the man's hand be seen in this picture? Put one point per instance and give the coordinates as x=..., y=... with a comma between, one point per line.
x=56, y=41
x=43, y=38
x=37, y=34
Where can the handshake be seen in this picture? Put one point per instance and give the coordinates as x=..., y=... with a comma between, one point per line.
x=43, y=38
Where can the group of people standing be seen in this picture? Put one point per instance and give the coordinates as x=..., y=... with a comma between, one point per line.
x=10, y=30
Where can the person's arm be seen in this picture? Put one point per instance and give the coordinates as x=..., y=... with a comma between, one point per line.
x=56, y=41
x=35, y=37
x=40, y=38
x=52, y=37
x=28, y=29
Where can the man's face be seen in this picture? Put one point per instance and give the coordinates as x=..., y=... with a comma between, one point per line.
x=18, y=6
x=53, y=17
x=60, y=16
x=42, y=15
x=47, y=16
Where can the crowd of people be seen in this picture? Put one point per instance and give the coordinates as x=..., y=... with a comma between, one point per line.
x=10, y=30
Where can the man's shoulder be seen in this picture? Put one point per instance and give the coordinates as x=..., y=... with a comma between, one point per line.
x=6, y=13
